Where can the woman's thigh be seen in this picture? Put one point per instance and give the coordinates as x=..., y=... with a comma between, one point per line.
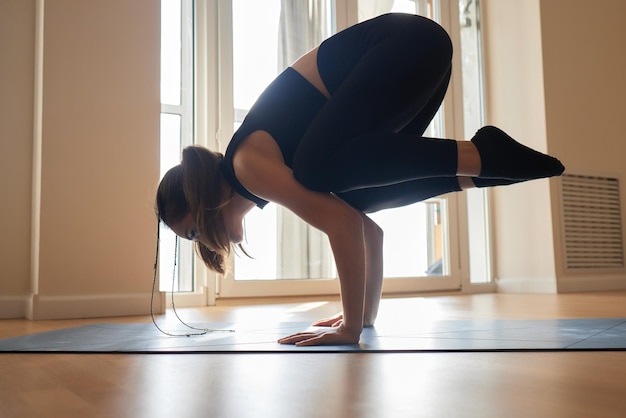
x=388, y=74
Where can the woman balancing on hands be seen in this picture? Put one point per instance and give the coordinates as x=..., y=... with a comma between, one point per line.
x=335, y=136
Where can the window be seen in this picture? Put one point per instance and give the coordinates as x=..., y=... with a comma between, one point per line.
x=267, y=37
x=416, y=243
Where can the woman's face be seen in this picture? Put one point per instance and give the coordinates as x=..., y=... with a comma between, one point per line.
x=186, y=228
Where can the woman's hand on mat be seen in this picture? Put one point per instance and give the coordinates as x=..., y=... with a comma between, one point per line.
x=334, y=336
x=333, y=321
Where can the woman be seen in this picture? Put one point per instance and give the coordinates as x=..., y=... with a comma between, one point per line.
x=337, y=135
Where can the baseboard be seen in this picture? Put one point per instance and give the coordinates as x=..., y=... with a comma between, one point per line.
x=526, y=285
x=14, y=307
x=568, y=284
x=591, y=283
x=92, y=306
x=477, y=288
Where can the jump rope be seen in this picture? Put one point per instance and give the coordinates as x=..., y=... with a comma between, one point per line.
x=194, y=330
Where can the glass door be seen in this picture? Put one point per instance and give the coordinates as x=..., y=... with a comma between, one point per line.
x=417, y=255
x=290, y=257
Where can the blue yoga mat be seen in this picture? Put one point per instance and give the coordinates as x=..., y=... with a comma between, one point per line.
x=429, y=336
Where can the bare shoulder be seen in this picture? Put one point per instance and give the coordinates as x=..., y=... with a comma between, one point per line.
x=258, y=143
x=259, y=165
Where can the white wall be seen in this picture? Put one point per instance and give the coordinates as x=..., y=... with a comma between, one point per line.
x=555, y=80
x=94, y=240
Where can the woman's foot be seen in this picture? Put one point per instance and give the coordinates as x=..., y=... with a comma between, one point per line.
x=504, y=158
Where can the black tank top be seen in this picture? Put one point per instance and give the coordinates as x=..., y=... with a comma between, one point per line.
x=284, y=110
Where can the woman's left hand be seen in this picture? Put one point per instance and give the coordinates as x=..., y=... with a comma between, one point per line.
x=333, y=336
x=333, y=321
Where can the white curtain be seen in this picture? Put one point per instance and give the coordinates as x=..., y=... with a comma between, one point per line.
x=303, y=252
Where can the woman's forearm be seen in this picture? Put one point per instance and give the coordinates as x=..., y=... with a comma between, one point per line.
x=349, y=248
x=374, y=270
x=373, y=292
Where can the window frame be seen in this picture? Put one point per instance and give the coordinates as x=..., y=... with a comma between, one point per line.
x=180, y=277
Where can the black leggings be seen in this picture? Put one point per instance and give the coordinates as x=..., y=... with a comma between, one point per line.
x=387, y=78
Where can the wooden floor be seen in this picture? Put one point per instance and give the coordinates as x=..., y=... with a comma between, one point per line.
x=535, y=384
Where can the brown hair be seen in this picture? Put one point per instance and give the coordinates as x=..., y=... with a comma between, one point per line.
x=196, y=186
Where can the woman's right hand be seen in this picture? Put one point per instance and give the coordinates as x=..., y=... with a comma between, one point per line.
x=333, y=321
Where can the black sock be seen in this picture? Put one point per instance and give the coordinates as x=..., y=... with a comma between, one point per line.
x=504, y=158
x=487, y=182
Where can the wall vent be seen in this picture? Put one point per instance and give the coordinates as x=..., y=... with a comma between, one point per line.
x=592, y=222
